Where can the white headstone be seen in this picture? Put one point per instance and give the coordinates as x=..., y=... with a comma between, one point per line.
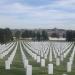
x=38, y=59
x=1, y=57
x=42, y=62
x=62, y=57
x=7, y=65
x=35, y=56
x=57, y=61
x=50, y=68
x=69, y=67
x=25, y=63
x=50, y=56
x=29, y=70
x=45, y=56
x=41, y=54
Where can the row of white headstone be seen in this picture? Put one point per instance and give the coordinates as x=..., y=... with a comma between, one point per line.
x=7, y=51
x=50, y=58
x=29, y=51
x=5, y=47
x=42, y=61
x=58, y=55
x=24, y=58
x=34, y=55
x=66, y=53
x=9, y=61
x=43, y=52
x=25, y=62
x=69, y=64
x=71, y=59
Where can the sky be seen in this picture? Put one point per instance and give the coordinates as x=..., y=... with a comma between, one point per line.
x=30, y=14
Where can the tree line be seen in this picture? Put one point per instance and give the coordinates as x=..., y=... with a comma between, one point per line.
x=38, y=36
x=70, y=35
x=5, y=35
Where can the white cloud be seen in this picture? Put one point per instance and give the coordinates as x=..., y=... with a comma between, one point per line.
x=54, y=14
x=14, y=8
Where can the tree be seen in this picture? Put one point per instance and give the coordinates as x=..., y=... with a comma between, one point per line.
x=1, y=36
x=25, y=34
x=44, y=35
x=33, y=34
x=8, y=35
x=5, y=35
x=38, y=36
x=70, y=35
x=17, y=34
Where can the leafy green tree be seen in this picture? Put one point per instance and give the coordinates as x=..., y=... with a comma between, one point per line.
x=38, y=36
x=5, y=35
x=44, y=35
x=25, y=34
x=17, y=34
x=8, y=35
x=70, y=35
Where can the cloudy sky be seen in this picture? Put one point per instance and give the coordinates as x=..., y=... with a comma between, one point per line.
x=37, y=14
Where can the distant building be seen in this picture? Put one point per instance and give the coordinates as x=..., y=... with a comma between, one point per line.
x=60, y=32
